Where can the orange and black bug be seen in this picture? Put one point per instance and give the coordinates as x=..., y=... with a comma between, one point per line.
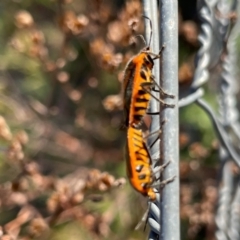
x=137, y=85
x=141, y=176
x=139, y=171
x=138, y=163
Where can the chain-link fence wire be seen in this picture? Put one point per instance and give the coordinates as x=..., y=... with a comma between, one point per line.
x=217, y=46
x=221, y=33
x=151, y=11
x=227, y=228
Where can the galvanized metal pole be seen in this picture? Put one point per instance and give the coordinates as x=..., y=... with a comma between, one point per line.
x=150, y=9
x=170, y=223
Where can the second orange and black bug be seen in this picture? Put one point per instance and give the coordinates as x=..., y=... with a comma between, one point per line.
x=139, y=171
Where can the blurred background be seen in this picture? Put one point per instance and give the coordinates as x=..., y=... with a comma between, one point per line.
x=62, y=169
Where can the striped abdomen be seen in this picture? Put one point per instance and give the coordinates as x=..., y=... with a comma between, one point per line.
x=138, y=163
x=136, y=99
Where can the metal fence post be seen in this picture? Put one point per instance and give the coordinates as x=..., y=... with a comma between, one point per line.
x=170, y=223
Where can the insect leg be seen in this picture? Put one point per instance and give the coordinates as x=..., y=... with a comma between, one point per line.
x=163, y=183
x=156, y=56
x=161, y=168
x=152, y=113
x=160, y=89
x=160, y=52
x=146, y=86
x=153, y=133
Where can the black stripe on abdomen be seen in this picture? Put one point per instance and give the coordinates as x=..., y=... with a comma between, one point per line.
x=141, y=92
x=137, y=109
x=137, y=117
x=143, y=75
x=142, y=100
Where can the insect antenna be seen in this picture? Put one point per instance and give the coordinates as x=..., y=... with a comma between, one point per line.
x=142, y=37
x=150, y=21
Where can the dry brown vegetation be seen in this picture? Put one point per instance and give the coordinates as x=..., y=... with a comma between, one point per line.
x=62, y=171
